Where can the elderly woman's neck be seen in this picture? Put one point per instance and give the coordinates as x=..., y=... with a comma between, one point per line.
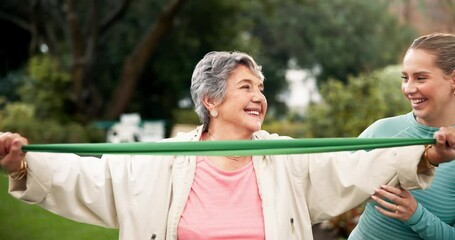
x=222, y=134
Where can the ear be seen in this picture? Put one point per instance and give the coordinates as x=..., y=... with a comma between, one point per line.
x=208, y=103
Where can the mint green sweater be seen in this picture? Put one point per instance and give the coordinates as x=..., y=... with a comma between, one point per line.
x=435, y=215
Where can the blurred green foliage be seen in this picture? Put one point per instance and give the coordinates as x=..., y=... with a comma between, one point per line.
x=40, y=112
x=21, y=118
x=341, y=37
x=46, y=88
x=347, y=109
x=293, y=129
x=344, y=38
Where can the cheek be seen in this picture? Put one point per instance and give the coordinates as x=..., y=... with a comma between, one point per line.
x=264, y=106
x=433, y=89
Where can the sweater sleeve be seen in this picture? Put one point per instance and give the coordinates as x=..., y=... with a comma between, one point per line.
x=350, y=178
x=78, y=188
x=428, y=226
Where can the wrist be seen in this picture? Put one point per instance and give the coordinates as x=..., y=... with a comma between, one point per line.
x=21, y=172
x=428, y=158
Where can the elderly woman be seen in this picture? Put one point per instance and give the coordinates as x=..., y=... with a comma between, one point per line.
x=216, y=197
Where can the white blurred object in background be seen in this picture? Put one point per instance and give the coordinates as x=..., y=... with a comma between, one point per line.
x=131, y=129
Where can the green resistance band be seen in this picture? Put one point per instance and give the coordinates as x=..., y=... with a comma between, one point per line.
x=232, y=147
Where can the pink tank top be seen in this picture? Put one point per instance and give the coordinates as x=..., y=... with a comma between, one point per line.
x=222, y=205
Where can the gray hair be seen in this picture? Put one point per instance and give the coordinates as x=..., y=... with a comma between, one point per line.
x=210, y=77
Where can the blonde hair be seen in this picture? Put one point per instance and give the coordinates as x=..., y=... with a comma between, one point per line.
x=442, y=46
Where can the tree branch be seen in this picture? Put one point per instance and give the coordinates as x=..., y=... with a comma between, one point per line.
x=155, y=33
x=76, y=39
x=16, y=20
x=135, y=63
x=115, y=16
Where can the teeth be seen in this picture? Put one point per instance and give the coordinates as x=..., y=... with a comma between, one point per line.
x=416, y=101
x=253, y=112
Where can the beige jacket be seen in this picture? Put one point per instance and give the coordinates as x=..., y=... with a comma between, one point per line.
x=145, y=195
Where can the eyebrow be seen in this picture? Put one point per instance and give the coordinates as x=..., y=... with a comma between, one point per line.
x=420, y=72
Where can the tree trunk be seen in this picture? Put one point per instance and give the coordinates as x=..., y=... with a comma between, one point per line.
x=135, y=63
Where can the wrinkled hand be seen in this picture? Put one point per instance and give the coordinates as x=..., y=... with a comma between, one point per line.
x=10, y=151
x=444, y=150
x=403, y=204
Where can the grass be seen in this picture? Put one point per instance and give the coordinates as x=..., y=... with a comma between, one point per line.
x=21, y=221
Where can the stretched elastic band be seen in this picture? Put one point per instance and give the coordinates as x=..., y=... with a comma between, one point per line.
x=234, y=147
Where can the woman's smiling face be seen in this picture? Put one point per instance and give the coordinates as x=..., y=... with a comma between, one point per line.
x=428, y=89
x=244, y=106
